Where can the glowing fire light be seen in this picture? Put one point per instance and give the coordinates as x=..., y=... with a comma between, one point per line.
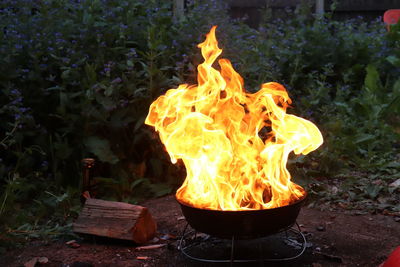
x=234, y=144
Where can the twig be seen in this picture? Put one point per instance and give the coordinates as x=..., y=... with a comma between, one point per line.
x=150, y=247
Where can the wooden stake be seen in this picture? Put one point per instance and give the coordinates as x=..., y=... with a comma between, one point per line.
x=179, y=9
x=116, y=220
x=319, y=7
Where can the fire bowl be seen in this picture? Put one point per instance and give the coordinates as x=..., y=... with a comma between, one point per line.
x=243, y=224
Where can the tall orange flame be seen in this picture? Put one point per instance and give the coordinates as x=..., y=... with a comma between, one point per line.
x=234, y=144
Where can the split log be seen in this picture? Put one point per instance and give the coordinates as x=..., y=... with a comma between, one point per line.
x=116, y=220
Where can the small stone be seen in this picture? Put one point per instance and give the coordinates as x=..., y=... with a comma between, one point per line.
x=321, y=228
x=397, y=219
x=318, y=249
x=43, y=260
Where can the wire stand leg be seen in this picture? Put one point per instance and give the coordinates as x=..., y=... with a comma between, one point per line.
x=232, y=250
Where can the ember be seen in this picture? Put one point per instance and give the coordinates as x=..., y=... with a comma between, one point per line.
x=234, y=144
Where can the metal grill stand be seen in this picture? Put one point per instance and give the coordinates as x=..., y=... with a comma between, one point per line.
x=190, y=241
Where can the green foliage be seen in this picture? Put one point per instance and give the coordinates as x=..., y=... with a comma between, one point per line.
x=77, y=78
x=344, y=76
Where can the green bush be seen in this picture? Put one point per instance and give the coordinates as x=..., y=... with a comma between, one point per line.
x=77, y=78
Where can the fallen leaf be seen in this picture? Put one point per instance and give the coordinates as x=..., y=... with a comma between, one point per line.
x=72, y=244
x=32, y=262
x=150, y=247
x=142, y=258
x=293, y=243
x=43, y=260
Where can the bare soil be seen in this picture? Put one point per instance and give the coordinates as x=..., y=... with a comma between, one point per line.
x=334, y=239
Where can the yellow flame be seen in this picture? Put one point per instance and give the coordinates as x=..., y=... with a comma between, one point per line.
x=234, y=144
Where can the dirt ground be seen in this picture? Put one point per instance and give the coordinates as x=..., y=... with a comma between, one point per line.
x=333, y=239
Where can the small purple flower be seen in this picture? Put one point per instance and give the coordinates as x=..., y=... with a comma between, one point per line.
x=123, y=103
x=15, y=92
x=117, y=80
x=74, y=66
x=132, y=52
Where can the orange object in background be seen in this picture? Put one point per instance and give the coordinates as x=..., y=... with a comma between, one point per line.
x=391, y=17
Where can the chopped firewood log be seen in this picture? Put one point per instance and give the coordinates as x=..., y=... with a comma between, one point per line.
x=116, y=220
